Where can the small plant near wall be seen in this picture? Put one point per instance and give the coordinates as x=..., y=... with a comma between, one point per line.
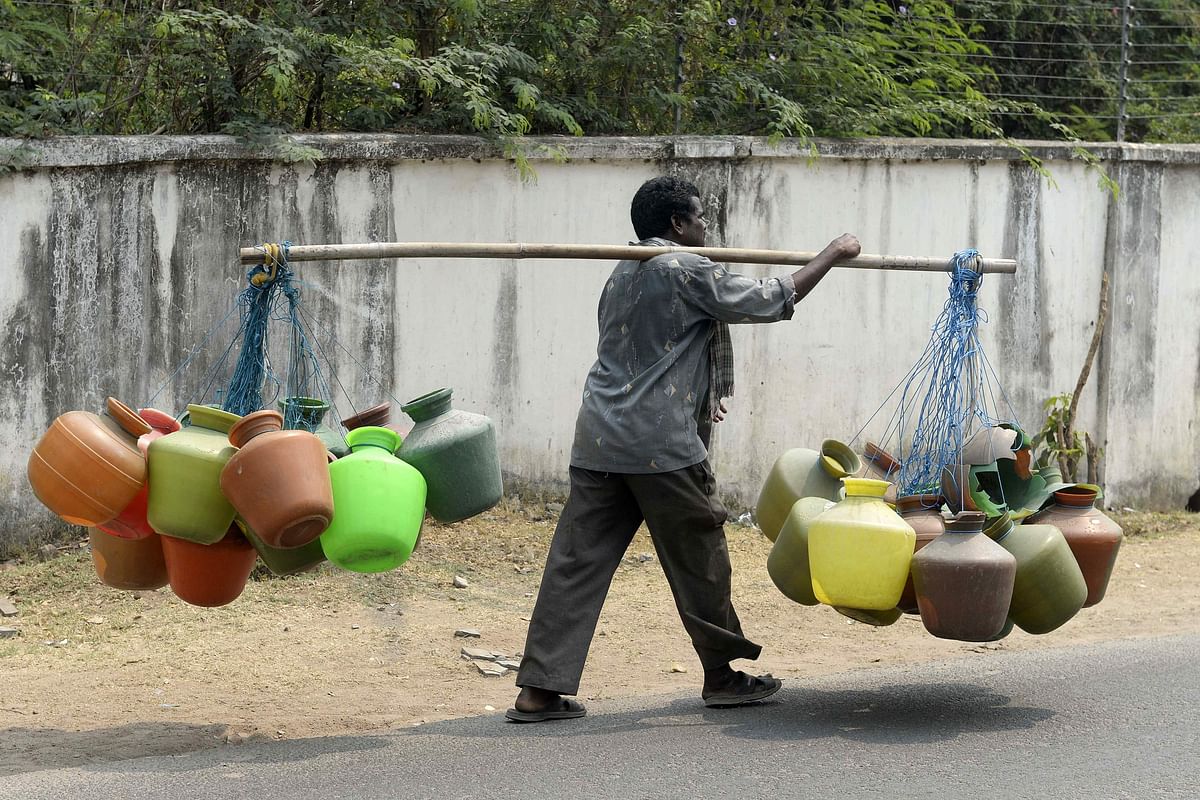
x=1060, y=443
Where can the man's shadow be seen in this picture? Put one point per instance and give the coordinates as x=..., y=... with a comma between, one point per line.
x=901, y=714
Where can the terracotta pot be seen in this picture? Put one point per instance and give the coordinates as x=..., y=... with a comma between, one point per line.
x=278, y=481
x=1094, y=539
x=132, y=564
x=964, y=582
x=879, y=464
x=87, y=468
x=209, y=574
x=378, y=416
x=924, y=513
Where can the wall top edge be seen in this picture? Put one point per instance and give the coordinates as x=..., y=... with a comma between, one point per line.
x=90, y=151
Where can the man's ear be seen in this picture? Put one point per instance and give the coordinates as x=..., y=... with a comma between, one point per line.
x=676, y=223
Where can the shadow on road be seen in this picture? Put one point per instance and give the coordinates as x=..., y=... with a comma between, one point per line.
x=33, y=749
x=902, y=714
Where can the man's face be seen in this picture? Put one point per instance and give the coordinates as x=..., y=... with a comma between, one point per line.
x=691, y=228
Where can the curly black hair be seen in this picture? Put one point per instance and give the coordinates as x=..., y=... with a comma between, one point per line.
x=656, y=201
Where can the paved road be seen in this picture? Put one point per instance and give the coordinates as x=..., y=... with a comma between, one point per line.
x=1117, y=720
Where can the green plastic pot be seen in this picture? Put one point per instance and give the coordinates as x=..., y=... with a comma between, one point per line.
x=378, y=502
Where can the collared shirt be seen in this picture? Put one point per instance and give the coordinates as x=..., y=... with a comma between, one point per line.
x=644, y=395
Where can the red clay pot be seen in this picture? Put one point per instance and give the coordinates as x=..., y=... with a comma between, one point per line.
x=1094, y=538
x=209, y=574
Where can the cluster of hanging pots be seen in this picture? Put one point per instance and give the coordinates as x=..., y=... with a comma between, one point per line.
x=194, y=502
x=973, y=563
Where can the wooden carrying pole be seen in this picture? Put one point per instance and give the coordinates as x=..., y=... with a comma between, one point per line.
x=504, y=250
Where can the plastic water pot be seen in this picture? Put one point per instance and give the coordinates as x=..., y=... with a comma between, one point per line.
x=798, y=473
x=788, y=563
x=859, y=551
x=86, y=468
x=379, y=504
x=185, y=500
x=284, y=561
x=1049, y=587
x=455, y=451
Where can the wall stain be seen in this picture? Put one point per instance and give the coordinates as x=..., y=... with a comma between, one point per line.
x=1022, y=334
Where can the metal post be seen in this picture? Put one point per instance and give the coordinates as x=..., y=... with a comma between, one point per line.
x=1123, y=78
x=678, y=68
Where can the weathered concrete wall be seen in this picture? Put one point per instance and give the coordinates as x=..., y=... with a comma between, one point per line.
x=117, y=255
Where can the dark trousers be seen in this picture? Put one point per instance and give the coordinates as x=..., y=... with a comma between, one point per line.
x=602, y=513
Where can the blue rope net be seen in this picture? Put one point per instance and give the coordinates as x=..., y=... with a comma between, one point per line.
x=950, y=397
x=273, y=295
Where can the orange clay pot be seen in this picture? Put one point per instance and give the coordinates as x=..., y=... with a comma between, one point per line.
x=86, y=468
x=278, y=480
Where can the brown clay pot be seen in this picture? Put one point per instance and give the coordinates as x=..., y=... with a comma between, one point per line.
x=964, y=582
x=209, y=574
x=1094, y=539
x=380, y=417
x=923, y=512
x=132, y=564
x=278, y=481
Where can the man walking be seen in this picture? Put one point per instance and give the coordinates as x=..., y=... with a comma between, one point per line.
x=664, y=367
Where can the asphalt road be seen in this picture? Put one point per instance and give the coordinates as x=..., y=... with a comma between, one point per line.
x=1117, y=720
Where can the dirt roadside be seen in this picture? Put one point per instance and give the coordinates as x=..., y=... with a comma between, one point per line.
x=97, y=675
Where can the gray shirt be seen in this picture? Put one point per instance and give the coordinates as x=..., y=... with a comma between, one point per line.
x=645, y=393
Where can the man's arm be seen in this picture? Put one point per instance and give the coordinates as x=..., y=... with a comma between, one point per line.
x=807, y=277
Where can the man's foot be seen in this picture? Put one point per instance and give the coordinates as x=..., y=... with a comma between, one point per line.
x=726, y=688
x=540, y=705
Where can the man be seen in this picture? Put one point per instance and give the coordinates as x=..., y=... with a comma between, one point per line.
x=664, y=366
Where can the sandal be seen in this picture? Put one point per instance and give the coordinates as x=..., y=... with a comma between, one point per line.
x=744, y=689
x=565, y=709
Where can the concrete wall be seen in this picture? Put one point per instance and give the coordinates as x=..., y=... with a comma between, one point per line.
x=117, y=255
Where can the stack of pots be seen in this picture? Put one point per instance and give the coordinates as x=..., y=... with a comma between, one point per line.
x=91, y=471
x=208, y=559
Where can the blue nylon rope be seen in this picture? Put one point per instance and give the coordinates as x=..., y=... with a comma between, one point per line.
x=951, y=391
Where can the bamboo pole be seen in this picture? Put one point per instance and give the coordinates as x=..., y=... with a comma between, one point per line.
x=517, y=250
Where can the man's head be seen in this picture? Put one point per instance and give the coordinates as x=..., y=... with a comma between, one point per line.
x=669, y=208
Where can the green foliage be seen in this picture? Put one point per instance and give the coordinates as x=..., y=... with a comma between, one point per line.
x=1059, y=441
x=508, y=68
